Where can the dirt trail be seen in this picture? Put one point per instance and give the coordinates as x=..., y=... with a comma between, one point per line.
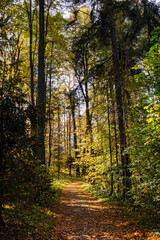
x=82, y=217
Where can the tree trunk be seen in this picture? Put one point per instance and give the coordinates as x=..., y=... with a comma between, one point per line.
x=116, y=143
x=110, y=144
x=88, y=116
x=69, y=145
x=2, y=224
x=41, y=87
x=124, y=158
x=72, y=102
x=115, y=131
x=30, y=54
x=33, y=117
x=32, y=112
x=64, y=132
x=59, y=130
x=50, y=125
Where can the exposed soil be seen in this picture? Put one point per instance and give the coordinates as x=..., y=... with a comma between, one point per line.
x=82, y=217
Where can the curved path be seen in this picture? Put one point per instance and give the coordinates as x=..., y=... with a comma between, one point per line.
x=82, y=217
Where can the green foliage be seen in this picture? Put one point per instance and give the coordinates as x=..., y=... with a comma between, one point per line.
x=27, y=185
x=145, y=151
x=97, y=190
x=144, y=132
x=29, y=218
x=21, y=167
x=150, y=66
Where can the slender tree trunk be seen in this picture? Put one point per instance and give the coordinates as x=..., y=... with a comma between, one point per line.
x=41, y=86
x=2, y=224
x=69, y=145
x=115, y=130
x=64, y=134
x=4, y=72
x=30, y=54
x=110, y=144
x=50, y=124
x=116, y=143
x=88, y=116
x=124, y=158
x=33, y=117
x=72, y=102
x=59, y=130
x=29, y=12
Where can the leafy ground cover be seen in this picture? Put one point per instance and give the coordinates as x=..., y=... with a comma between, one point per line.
x=73, y=213
x=30, y=220
x=81, y=216
x=149, y=221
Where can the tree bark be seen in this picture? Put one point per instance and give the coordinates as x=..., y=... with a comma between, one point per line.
x=110, y=144
x=41, y=86
x=88, y=116
x=115, y=130
x=72, y=102
x=59, y=130
x=124, y=158
x=30, y=54
x=50, y=125
x=2, y=224
x=69, y=145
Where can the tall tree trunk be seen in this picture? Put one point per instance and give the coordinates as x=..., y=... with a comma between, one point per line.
x=32, y=112
x=69, y=145
x=4, y=71
x=50, y=124
x=2, y=224
x=41, y=86
x=110, y=144
x=86, y=99
x=115, y=129
x=64, y=131
x=116, y=142
x=124, y=158
x=88, y=116
x=72, y=102
x=33, y=118
x=59, y=130
x=30, y=54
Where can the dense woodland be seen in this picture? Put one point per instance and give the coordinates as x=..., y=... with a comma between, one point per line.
x=80, y=96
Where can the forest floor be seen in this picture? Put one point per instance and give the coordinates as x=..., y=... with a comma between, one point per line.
x=80, y=216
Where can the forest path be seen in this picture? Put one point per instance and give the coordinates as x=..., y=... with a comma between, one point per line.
x=82, y=217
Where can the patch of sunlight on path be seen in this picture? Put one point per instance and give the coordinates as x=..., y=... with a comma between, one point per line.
x=82, y=217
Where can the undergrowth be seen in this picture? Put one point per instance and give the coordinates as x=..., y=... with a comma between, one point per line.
x=146, y=218
x=35, y=219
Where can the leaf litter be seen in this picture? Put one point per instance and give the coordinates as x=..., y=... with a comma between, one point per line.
x=80, y=216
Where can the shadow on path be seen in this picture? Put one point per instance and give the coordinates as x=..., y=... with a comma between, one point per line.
x=82, y=217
